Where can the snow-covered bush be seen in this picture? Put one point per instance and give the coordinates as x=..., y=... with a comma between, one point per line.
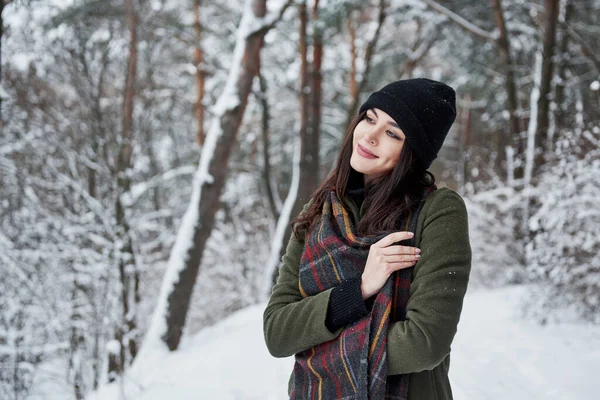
x=492, y=238
x=564, y=254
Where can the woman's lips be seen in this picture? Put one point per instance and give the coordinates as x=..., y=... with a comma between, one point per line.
x=364, y=152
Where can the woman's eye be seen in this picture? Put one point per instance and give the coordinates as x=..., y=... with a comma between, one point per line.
x=369, y=119
x=393, y=135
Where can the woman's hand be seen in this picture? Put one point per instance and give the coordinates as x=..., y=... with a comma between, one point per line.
x=384, y=259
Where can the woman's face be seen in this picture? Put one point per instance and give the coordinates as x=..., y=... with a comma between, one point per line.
x=376, y=144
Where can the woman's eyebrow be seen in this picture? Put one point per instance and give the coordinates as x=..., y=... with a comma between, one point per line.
x=392, y=123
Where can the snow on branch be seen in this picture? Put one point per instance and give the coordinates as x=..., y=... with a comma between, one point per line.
x=268, y=22
x=3, y=94
x=532, y=128
x=586, y=49
x=131, y=197
x=462, y=21
x=12, y=147
x=93, y=204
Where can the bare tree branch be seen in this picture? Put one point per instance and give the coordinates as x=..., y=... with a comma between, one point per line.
x=586, y=49
x=462, y=22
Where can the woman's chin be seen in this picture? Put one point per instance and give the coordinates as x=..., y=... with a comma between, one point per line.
x=359, y=166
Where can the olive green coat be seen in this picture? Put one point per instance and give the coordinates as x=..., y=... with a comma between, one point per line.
x=420, y=345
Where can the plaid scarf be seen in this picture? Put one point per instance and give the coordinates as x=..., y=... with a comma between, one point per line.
x=354, y=364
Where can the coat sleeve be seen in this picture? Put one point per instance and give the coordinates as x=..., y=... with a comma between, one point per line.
x=440, y=278
x=292, y=323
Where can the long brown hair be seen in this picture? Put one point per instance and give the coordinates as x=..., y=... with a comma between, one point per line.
x=389, y=199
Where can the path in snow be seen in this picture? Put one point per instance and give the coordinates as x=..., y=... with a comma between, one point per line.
x=495, y=355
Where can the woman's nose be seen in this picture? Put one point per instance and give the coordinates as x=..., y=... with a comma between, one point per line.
x=371, y=134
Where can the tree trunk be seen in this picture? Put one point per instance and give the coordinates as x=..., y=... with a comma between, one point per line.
x=463, y=142
x=266, y=170
x=511, y=90
x=514, y=138
x=353, y=109
x=198, y=59
x=306, y=183
x=3, y=4
x=212, y=184
x=561, y=70
x=128, y=274
x=303, y=184
x=316, y=80
x=77, y=339
x=174, y=299
x=551, y=10
x=308, y=158
x=353, y=56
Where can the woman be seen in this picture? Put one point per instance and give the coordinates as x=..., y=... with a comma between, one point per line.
x=369, y=309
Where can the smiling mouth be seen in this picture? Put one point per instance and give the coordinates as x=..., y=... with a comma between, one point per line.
x=364, y=152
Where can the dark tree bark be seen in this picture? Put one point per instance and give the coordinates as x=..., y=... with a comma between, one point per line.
x=198, y=60
x=353, y=56
x=512, y=103
x=215, y=160
x=551, y=11
x=563, y=50
x=309, y=130
x=77, y=340
x=307, y=161
x=3, y=4
x=316, y=79
x=128, y=274
x=266, y=172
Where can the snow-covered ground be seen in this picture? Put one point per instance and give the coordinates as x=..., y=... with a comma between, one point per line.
x=495, y=355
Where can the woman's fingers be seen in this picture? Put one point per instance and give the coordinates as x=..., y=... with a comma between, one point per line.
x=384, y=258
x=393, y=238
x=391, y=250
x=395, y=266
x=401, y=258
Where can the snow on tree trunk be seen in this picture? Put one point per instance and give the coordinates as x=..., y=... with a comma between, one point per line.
x=282, y=225
x=530, y=148
x=533, y=127
x=126, y=331
x=167, y=324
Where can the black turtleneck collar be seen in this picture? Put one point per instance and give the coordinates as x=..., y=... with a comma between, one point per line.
x=356, y=188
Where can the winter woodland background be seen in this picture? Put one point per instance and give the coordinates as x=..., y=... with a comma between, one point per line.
x=152, y=153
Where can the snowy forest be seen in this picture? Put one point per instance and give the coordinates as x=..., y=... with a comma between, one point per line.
x=154, y=152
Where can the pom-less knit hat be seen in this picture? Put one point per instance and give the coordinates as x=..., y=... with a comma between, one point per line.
x=423, y=108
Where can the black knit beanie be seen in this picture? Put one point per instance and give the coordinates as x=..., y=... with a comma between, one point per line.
x=423, y=108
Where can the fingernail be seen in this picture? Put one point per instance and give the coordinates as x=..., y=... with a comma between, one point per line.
x=418, y=251
x=410, y=234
